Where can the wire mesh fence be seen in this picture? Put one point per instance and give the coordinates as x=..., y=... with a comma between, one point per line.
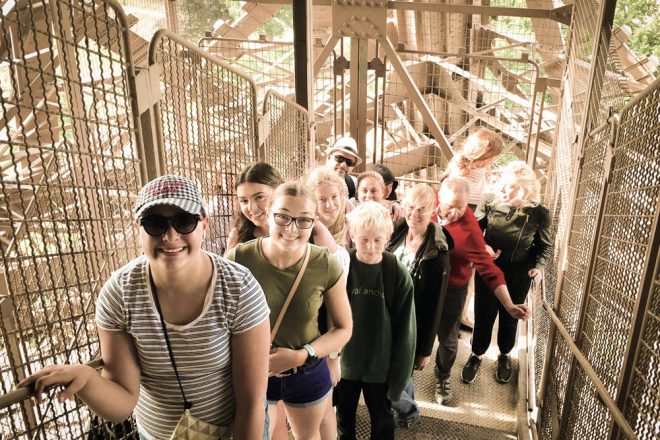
x=70, y=151
x=268, y=63
x=287, y=139
x=208, y=118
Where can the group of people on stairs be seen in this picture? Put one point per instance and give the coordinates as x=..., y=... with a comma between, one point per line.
x=329, y=288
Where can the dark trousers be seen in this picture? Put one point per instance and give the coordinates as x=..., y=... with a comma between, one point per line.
x=448, y=331
x=347, y=395
x=487, y=307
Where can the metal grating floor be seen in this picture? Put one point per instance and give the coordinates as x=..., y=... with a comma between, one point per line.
x=484, y=409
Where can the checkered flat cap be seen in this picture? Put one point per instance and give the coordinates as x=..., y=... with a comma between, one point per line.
x=170, y=190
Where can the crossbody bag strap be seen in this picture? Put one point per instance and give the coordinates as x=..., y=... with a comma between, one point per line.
x=186, y=403
x=287, y=301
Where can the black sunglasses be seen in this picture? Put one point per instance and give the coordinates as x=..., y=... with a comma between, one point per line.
x=157, y=225
x=285, y=220
x=346, y=160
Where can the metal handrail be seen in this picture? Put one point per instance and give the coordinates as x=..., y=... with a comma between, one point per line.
x=523, y=383
x=18, y=395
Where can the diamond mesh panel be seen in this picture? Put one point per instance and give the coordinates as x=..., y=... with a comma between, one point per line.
x=643, y=401
x=637, y=179
x=70, y=172
x=556, y=385
x=208, y=117
x=589, y=417
x=286, y=144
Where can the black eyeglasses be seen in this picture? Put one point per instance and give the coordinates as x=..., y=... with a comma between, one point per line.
x=346, y=160
x=301, y=222
x=157, y=225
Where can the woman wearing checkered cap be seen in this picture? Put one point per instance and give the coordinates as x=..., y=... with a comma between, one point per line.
x=175, y=300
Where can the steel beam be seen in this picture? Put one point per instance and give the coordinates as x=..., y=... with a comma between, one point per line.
x=417, y=97
x=302, y=13
x=561, y=14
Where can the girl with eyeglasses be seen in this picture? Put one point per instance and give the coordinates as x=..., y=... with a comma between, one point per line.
x=298, y=370
x=177, y=324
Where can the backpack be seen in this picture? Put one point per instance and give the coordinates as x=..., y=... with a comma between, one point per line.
x=351, y=186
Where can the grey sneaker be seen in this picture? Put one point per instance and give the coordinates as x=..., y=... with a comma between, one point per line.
x=470, y=369
x=503, y=371
x=443, y=390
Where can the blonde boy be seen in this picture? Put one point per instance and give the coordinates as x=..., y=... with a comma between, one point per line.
x=378, y=359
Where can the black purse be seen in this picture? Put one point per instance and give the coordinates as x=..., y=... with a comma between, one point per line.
x=100, y=429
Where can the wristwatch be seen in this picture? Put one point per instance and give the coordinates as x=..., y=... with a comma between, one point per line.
x=311, y=354
x=334, y=355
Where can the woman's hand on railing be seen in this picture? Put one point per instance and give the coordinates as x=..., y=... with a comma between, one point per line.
x=536, y=275
x=72, y=377
x=519, y=311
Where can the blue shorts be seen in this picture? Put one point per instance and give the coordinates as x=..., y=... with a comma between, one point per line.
x=308, y=386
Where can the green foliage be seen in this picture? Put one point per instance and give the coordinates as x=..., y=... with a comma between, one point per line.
x=643, y=18
x=198, y=16
x=279, y=25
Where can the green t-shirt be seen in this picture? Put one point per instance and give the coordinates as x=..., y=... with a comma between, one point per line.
x=382, y=347
x=299, y=325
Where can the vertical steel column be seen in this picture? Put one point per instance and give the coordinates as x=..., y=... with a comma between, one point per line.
x=358, y=110
x=172, y=16
x=302, y=51
x=303, y=63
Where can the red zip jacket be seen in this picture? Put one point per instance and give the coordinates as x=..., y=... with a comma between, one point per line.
x=470, y=247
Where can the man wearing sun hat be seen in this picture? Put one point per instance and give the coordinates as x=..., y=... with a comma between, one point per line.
x=342, y=157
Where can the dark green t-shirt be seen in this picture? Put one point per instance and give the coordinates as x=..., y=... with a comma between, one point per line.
x=299, y=325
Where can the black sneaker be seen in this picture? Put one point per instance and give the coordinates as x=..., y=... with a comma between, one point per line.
x=503, y=371
x=470, y=369
x=443, y=390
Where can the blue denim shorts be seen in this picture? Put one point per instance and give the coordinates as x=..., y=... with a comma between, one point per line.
x=308, y=386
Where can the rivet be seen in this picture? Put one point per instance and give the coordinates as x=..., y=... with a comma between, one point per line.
x=364, y=19
x=372, y=27
x=353, y=34
x=353, y=17
x=346, y=24
x=372, y=4
x=377, y=35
